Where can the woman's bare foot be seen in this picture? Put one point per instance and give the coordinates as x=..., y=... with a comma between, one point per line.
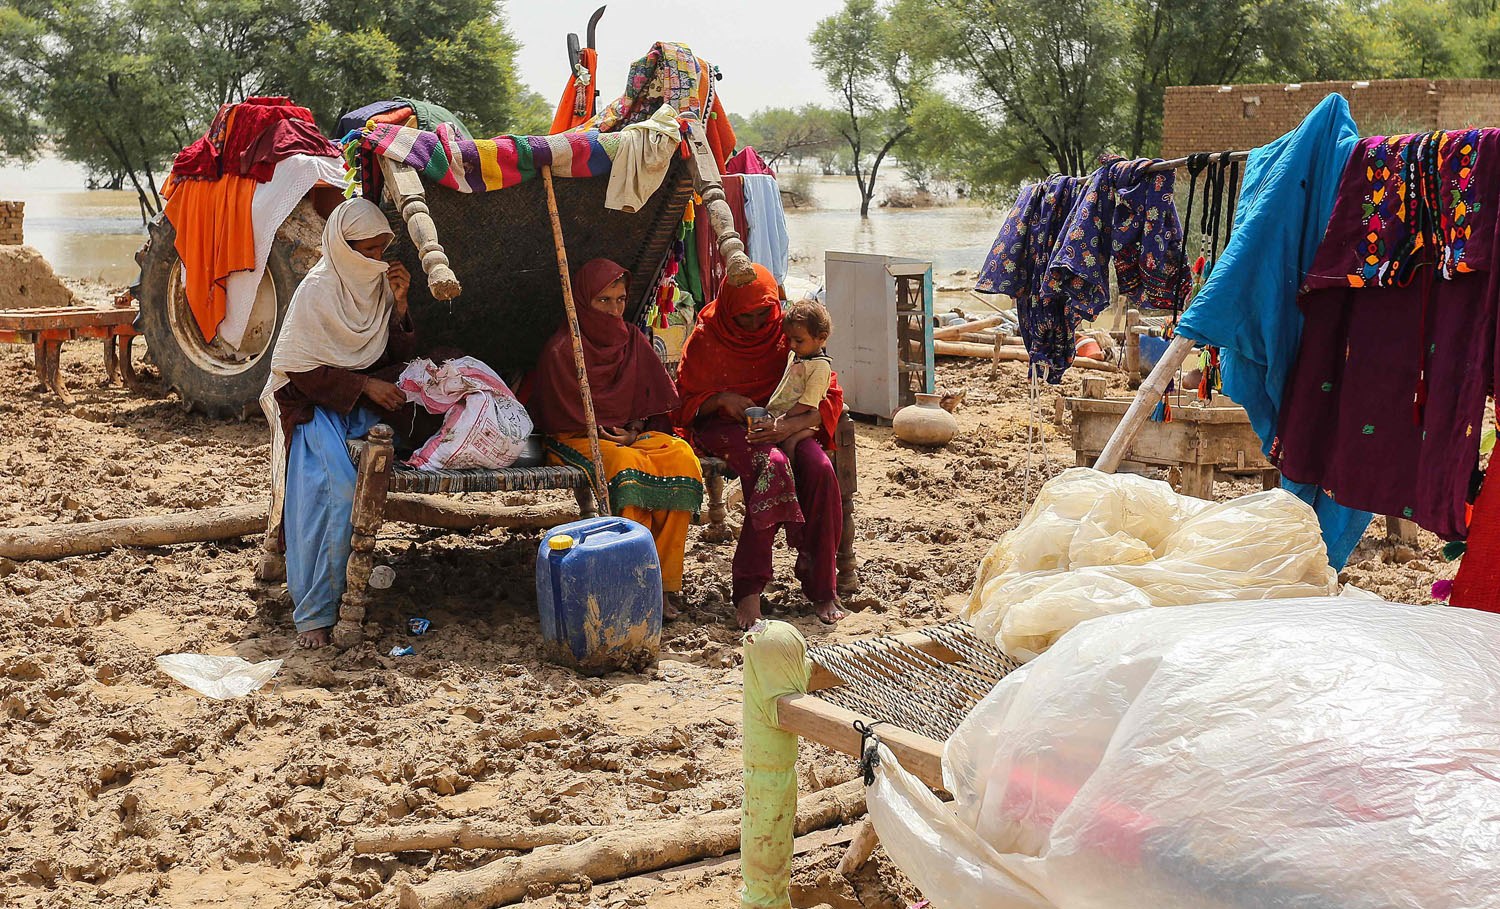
x=671, y=604
x=314, y=639
x=831, y=612
x=747, y=611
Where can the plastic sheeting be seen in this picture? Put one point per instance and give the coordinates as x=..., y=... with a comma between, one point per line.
x=1338, y=753
x=220, y=677
x=1094, y=544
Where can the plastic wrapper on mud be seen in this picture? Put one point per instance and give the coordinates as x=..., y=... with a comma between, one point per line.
x=220, y=677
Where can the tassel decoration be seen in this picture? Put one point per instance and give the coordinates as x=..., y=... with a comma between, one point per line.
x=1442, y=590
x=1454, y=550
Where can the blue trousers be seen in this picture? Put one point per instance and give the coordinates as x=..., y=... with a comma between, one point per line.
x=317, y=513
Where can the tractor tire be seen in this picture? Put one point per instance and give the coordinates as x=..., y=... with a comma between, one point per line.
x=208, y=377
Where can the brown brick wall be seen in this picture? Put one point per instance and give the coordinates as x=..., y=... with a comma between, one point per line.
x=1201, y=118
x=11, y=215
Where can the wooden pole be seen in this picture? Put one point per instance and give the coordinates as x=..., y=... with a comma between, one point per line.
x=1140, y=408
x=601, y=485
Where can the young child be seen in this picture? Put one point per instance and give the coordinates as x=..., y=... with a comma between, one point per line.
x=808, y=368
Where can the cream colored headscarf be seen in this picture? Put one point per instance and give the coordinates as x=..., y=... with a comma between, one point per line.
x=339, y=316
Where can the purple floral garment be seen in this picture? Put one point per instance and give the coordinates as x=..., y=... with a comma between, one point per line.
x=1017, y=267
x=1053, y=252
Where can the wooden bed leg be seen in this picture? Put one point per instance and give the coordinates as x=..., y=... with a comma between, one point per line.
x=370, y=487
x=39, y=361
x=718, y=512
x=404, y=186
x=586, y=506
x=846, y=467
x=1132, y=356
x=708, y=183
x=111, y=364
x=776, y=664
x=131, y=378
x=54, y=372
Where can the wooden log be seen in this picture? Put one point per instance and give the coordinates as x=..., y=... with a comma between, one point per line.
x=1008, y=353
x=467, y=834
x=1400, y=530
x=619, y=852
x=708, y=184
x=601, y=485
x=59, y=541
x=452, y=514
x=954, y=332
x=405, y=188
x=864, y=843
x=1145, y=399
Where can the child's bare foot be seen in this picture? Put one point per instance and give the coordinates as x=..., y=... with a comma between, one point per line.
x=670, y=606
x=314, y=639
x=747, y=611
x=831, y=612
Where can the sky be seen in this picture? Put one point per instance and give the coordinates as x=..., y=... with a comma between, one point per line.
x=761, y=47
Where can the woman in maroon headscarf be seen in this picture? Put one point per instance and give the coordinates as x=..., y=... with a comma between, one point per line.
x=734, y=360
x=654, y=477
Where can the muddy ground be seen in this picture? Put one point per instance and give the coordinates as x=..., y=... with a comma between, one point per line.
x=120, y=787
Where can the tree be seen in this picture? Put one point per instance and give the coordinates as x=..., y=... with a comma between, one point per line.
x=1043, y=77
x=873, y=75
x=1212, y=42
x=121, y=85
x=787, y=134
x=81, y=75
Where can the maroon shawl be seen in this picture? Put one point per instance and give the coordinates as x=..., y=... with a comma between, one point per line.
x=627, y=380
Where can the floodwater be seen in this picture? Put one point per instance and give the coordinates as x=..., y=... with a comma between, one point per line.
x=953, y=238
x=94, y=234
x=83, y=233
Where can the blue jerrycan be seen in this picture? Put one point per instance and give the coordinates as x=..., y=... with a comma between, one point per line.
x=598, y=590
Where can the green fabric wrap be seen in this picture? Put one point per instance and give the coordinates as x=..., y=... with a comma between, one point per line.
x=776, y=665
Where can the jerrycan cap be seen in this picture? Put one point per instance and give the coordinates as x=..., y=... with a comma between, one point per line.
x=560, y=542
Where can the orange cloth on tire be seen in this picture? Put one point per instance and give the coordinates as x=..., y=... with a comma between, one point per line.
x=566, y=117
x=215, y=238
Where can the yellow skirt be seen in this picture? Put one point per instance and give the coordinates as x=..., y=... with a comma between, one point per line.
x=656, y=482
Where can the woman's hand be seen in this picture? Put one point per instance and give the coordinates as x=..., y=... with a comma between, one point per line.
x=400, y=280
x=782, y=428
x=384, y=394
x=732, y=405
x=620, y=435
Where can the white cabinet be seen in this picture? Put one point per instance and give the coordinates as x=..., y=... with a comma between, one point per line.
x=881, y=308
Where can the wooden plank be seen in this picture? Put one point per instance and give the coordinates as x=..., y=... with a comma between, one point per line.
x=63, y=321
x=1182, y=409
x=828, y=724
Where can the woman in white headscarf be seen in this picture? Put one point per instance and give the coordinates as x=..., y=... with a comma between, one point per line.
x=347, y=318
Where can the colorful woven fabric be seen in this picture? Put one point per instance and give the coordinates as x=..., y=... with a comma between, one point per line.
x=1417, y=203
x=483, y=165
x=668, y=74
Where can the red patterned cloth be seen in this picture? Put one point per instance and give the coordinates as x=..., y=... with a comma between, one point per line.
x=235, y=128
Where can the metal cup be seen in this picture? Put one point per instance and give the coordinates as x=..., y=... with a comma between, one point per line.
x=754, y=415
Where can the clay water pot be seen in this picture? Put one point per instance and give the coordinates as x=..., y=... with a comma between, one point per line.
x=925, y=422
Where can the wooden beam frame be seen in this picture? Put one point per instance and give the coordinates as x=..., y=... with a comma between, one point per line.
x=404, y=186
x=708, y=183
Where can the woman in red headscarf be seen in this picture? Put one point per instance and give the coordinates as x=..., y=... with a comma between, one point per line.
x=654, y=477
x=732, y=361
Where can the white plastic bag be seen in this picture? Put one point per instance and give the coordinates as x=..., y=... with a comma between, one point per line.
x=1094, y=544
x=1326, y=752
x=219, y=677
x=485, y=426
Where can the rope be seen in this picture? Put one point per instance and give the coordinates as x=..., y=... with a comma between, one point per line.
x=898, y=684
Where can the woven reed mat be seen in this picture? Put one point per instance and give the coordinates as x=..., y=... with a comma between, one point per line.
x=896, y=683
